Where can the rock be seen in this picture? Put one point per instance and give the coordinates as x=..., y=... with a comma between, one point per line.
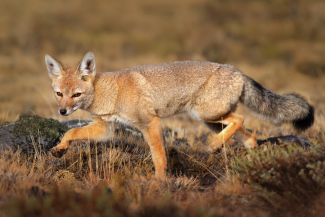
x=76, y=123
x=288, y=139
x=127, y=130
x=30, y=133
x=7, y=138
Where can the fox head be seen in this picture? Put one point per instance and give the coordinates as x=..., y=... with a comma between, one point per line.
x=73, y=86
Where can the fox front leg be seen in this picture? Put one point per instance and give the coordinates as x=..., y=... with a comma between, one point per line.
x=97, y=131
x=153, y=135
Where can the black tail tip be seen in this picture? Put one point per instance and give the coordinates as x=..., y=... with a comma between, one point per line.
x=306, y=122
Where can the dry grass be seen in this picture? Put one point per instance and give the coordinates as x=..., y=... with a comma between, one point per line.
x=278, y=43
x=118, y=178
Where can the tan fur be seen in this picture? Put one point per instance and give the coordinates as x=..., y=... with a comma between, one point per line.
x=95, y=131
x=142, y=95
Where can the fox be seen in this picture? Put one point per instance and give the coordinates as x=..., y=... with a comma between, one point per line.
x=142, y=95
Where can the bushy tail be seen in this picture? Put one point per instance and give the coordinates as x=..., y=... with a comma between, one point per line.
x=277, y=108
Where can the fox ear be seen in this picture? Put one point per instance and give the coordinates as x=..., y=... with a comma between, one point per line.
x=87, y=65
x=54, y=67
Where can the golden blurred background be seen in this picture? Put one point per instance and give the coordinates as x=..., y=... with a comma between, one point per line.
x=280, y=43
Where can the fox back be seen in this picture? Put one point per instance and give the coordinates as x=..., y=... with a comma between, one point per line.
x=179, y=86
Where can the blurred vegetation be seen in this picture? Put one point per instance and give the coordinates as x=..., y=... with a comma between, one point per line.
x=254, y=31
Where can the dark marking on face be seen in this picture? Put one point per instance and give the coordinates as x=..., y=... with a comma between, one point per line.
x=84, y=78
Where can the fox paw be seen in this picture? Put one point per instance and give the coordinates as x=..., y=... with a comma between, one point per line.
x=214, y=147
x=58, y=153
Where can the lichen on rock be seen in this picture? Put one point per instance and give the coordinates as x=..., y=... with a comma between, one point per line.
x=35, y=125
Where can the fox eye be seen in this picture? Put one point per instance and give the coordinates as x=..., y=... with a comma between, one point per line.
x=76, y=95
x=59, y=94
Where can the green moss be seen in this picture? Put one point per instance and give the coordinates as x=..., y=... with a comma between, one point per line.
x=5, y=124
x=35, y=125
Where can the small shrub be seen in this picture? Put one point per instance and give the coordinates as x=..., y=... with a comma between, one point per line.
x=285, y=174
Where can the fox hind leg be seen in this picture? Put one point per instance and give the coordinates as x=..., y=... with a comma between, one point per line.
x=245, y=137
x=233, y=124
x=241, y=135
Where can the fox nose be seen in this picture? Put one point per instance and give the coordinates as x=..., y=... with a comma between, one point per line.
x=63, y=111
